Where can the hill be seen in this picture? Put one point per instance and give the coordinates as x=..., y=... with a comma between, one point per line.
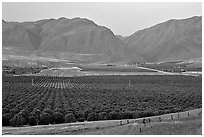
x=168, y=41
x=80, y=39
x=61, y=37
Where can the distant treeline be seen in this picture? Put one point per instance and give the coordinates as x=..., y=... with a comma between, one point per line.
x=21, y=70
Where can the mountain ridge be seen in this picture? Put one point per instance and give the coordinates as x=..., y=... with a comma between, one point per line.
x=167, y=38
x=175, y=39
x=77, y=35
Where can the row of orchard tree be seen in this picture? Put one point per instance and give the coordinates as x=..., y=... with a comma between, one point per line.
x=36, y=117
x=47, y=116
x=108, y=96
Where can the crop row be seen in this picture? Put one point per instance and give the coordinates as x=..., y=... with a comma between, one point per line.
x=109, y=97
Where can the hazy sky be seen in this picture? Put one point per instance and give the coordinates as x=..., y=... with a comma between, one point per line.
x=122, y=18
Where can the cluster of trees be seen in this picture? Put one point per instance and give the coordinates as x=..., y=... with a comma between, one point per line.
x=95, y=98
x=36, y=117
x=173, y=67
x=168, y=66
x=21, y=70
x=47, y=116
x=194, y=69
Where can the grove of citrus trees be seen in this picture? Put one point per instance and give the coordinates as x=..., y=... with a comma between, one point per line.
x=32, y=100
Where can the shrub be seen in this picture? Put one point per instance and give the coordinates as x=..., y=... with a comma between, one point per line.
x=79, y=116
x=146, y=114
x=33, y=120
x=47, y=110
x=70, y=118
x=14, y=111
x=80, y=119
x=18, y=120
x=58, y=118
x=135, y=114
x=5, y=110
x=113, y=115
x=122, y=115
x=126, y=115
x=58, y=110
x=92, y=116
x=24, y=113
x=102, y=116
x=87, y=111
x=45, y=119
x=6, y=119
x=36, y=112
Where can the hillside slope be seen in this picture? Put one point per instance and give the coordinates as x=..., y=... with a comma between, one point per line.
x=171, y=40
x=62, y=36
x=82, y=39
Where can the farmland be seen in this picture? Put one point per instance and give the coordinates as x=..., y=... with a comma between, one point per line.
x=79, y=70
x=113, y=68
x=69, y=72
x=176, y=66
x=96, y=98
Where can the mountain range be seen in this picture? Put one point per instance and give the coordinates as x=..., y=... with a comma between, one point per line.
x=82, y=39
x=171, y=40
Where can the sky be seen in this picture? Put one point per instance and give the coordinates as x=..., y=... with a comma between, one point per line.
x=123, y=18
